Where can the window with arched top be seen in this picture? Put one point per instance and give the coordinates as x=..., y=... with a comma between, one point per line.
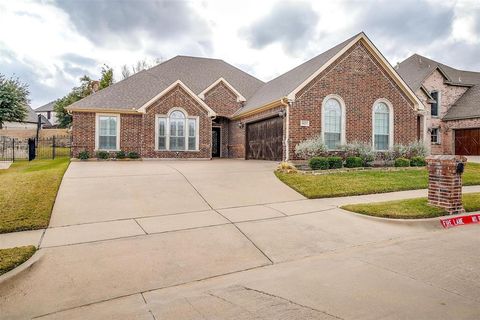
x=177, y=132
x=381, y=126
x=332, y=123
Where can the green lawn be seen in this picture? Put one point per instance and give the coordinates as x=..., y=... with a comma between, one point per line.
x=13, y=257
x=411, y=208
x=366, y=182
x=27, y=193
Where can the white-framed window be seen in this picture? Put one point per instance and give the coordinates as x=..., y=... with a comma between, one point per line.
x=107, y=130
x=382, y=119
x=333, y=122
x=435, y=106
x=176, y=131
x=435, y=136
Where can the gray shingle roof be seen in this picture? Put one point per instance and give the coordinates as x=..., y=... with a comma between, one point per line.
x=289, y=81
x=47, y=107
x=195, y=73
x=415, y=69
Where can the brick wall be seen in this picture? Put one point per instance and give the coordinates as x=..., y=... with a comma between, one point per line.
x=448, y=96
x=359, y=80
x=83, y=132
x=222, y=100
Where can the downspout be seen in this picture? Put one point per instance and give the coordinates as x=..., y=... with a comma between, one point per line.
x=285, y=102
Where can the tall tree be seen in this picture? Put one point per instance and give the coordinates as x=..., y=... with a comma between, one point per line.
x=139, y=66
x=86, y=88
x=13, y=100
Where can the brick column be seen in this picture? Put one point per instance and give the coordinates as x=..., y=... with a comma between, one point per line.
x=445, y=183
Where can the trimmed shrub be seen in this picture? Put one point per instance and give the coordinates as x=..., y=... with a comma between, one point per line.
x=335, y=162
x=83, y=155
x=359, y=149
x=353, y=162
x=402, y=162
x=120, y=155
x=414, y=149
x=133, y=155
x=310, y=148
x=418, y=162
x=318, y=163
x=103, y=155
x=286, y=167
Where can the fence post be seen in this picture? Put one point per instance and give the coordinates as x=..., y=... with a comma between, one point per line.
x=53, y=147
x=13, y=150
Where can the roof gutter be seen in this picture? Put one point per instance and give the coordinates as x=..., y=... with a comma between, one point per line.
x=102, y=110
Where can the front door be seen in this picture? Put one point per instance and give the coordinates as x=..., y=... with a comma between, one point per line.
x=215, y=142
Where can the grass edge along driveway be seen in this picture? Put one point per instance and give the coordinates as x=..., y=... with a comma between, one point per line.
x=27, y=192
x=366, y=182
x=416, y=208
x=13, y=257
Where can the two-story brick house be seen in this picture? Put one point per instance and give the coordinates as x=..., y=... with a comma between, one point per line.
x=190, y=107
x=452, y=102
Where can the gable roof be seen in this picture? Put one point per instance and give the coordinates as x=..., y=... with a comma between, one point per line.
x=291, y=82
x=46, y=107
x=195, y=73
x=416, y=69
x=240, y=97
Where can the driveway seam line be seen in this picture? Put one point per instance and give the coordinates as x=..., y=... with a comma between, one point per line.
x=146, y=304
x=41, y=238
x=140, y=226
x=239, y=230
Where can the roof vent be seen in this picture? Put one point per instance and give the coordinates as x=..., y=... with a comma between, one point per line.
x=420, y=59
x=459, y=79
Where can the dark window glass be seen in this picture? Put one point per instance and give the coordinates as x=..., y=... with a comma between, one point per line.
x=434, y=111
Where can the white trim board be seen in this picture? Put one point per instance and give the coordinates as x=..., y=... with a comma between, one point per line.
x=240, y=98
x=143, y=108
x=97, y=127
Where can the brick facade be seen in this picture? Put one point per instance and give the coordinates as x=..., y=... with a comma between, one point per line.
x=221, y=99
x=359, y=80
x=448, y=96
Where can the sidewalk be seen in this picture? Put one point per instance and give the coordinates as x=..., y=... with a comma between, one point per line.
x=138, y=226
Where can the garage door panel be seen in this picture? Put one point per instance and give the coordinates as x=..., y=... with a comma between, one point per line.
x=467, y=141
x=264, y=139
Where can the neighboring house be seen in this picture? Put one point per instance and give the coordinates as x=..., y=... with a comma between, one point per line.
x=190, y=107
x=30, y=122
x=48, y=112
x=452, y=100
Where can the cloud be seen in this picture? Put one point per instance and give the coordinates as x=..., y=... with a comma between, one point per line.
x=289, y=23
x=125, y=23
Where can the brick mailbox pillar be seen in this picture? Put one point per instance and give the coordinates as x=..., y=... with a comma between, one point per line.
x=445, y=182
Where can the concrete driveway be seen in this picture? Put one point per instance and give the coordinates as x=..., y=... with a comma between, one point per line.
x=226, y=240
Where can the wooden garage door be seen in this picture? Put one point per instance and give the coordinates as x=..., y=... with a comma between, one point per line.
x=264, y=139
x=467, y=142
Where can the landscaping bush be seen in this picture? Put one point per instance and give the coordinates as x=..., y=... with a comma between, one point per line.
x=353, y=162
x=120, y=155
x=133, y=155
x=102, y=155
x=318, y=163
x=414, y=149
x=310, y=148
x=83, y=155
x=286, y=167
x=359, y=149
x=402, y=162
x=335, y=162
x=418, y=162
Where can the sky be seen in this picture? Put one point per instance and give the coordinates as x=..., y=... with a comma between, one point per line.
x=50, y=44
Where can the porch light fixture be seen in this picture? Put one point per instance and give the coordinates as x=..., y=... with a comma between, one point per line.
x=282, y=114
x=241, y=125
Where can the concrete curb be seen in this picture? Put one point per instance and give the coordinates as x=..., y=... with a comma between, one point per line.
x=426, y=223
x=23, y=267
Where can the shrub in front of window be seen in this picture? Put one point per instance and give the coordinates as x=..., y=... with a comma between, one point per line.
x=83, y=155
x=102, y=155
x=318, y=163
x=353, y=162
x=418, y=162
x=402, y=162
x=120, y=154
x=309, y=148
x=335, y=162
x=359, y=149
x=133, y=155
x=414, y=149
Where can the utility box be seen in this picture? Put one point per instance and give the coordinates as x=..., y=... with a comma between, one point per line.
x=445, y=182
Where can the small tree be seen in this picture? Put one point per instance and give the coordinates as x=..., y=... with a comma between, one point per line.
x=107, y=77
x=13, y=100
x=139, y=66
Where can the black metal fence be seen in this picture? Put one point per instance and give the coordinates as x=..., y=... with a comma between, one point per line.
x=12, y=149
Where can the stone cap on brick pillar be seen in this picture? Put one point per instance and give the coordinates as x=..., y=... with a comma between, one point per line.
x=446, y=157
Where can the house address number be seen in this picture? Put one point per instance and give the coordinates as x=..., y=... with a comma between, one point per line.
x=304, y=123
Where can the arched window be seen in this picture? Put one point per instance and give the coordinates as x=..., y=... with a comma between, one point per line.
x=177, y=131
x=381, y=126
x=332, y=123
